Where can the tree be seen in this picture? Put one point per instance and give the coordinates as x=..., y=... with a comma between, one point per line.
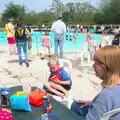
x=46, y=17
x=103, y=4
x=114, y=11
x=57, y=7
x=87, y=7
x=1, y=23
x=99, y=18
x=31, y=18
x=75, y=13
x=66, y=16
x=70, y=7
x=14, y=11
x=110, y=10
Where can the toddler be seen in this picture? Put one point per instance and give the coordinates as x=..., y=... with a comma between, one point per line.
x=59, y=81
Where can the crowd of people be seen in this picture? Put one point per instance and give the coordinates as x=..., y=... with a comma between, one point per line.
x=18, y=32
x=106, y=66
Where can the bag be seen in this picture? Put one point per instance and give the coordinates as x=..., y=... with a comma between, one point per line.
x=20, y=32
x=36, y=97
x=20, y=101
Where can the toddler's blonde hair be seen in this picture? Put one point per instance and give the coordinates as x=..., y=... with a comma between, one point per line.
x=54, y=60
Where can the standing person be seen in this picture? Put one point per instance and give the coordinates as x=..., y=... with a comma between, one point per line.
x=59, y=28
x=81, y=29
x=9, y=27
x=88, y=35
x=29, y=42
x=47, y=43
x=116, y=31
x=105, y=39
x=21, y=39
x=116, y=40
x=102, y=28
x=75, y=35
x=88, y=41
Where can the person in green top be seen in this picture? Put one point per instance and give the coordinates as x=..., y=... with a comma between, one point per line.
x=29, y=42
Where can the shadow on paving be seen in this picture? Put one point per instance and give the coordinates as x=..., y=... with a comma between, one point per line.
x=13, y=61
x=16, y=61
x=80, y=76
x=1, y=52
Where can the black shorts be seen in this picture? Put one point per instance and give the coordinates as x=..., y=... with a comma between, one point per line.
x=67, y=87
x=115, y=42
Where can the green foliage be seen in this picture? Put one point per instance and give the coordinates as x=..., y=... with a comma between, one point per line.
x=80, y=13
x=99, y=18
x=46, y=18
x=14, y=11
x=57, y=7
x=1, y=23
x=109, y=12
x=73, y=13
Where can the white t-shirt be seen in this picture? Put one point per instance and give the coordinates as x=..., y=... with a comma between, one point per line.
x=58, y=27
x=105, y=41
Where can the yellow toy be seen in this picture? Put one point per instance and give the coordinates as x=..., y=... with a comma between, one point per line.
x=20, y=93
x=39, y=54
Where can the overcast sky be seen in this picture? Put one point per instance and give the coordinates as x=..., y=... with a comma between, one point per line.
x=39, y=5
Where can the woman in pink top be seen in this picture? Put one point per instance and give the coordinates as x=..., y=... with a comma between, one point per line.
x=88, y=36
x=88, y=41
x=46, y=42
x=81, y=29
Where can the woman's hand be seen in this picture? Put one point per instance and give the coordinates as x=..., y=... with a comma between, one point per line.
x=85, y=103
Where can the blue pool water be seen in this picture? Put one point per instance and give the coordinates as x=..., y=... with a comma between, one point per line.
x=68, y=45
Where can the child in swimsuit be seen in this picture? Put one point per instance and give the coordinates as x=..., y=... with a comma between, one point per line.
x=46, y=42
x=59, y=81
x=88, y=35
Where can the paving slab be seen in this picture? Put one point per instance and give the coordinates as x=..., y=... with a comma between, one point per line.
x=10, y=81
x=85, y=84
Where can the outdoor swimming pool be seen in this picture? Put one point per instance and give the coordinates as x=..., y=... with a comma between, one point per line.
x=68, y=45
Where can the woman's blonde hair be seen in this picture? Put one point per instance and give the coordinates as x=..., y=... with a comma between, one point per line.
x=109, y=56
x=54, y=60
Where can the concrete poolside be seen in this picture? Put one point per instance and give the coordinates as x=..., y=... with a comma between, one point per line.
x=85, y=84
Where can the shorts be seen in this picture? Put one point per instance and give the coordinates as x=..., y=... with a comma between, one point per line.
x=67, y=87
x=11, y=40
x=115, y=42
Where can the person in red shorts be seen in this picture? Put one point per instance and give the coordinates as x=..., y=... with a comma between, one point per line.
x=9, y=27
